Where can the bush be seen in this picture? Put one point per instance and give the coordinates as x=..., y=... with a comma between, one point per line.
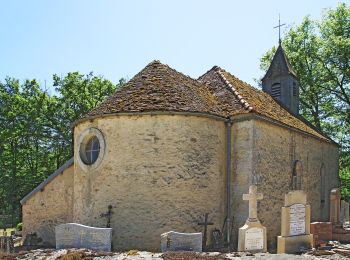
x=19, y=226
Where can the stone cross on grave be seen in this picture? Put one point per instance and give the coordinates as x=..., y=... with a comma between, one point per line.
x=205, y=224
x=108, y=215
x=253, y=198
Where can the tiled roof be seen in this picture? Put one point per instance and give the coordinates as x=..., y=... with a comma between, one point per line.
x=263, y=104
x=160, y=88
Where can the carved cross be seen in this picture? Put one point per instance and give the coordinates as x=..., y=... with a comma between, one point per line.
x=205, y=224
x=108, y=215
x=253, y=198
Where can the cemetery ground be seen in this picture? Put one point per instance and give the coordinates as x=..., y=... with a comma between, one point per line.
x=335, y=252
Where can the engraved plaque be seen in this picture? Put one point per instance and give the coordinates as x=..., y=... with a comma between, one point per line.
x=297, y=220
x=254, y=239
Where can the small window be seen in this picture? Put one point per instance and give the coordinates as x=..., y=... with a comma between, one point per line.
x=91, y=147
x=92, y=150
x=276, y=90
x=295, y=89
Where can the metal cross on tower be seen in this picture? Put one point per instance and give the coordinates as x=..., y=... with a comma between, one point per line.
x=279, y=28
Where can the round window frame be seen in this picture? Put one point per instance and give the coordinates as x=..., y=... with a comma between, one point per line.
x=84, y=138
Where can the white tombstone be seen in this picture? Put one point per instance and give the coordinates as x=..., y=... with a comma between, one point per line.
x=73, y=235
x=252, y=236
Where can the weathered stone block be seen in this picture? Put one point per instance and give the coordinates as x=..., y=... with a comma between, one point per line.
x=294, y=244
x=175, y=241
x=295, y=224
x=252, y=237
x=74, y=235
x=322, y=232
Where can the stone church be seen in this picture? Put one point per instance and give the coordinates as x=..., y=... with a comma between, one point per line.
x=166, y=149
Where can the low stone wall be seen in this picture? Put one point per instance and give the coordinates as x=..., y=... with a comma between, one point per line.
x=48, y=207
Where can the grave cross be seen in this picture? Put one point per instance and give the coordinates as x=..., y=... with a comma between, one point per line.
x=253, y=198
x=279, y=28
x=205, y=224
x=108, y=215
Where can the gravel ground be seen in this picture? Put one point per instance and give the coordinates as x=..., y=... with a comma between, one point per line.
x=78, y=254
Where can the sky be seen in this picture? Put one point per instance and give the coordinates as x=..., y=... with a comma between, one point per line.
x=117, y=39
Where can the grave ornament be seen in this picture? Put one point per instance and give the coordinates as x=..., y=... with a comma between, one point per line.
x=252, y=236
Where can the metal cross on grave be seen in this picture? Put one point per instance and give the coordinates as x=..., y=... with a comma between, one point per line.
x=205, y=224
x=253, y=198
x=108, y=215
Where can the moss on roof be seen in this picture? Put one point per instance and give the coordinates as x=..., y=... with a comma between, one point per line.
x=160, y=88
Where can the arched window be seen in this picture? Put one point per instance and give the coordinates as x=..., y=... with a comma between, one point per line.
x=297, y=175
x=276, y=90
x=323, y=185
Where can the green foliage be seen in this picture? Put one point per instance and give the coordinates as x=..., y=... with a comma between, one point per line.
x=319, y=51
x=19, y=226
x=35, y=133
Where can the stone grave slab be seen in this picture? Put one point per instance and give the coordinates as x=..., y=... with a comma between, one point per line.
x=73, y=235
x=252, y=236
x=176, y=241
x=322, y=232
x=295, y=224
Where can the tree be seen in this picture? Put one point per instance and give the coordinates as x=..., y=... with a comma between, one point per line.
x=319, y=51
x=35, y=132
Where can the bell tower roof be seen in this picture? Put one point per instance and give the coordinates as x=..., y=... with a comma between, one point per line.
x=280, y=65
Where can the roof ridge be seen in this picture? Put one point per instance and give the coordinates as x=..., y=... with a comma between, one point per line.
x=244, y=102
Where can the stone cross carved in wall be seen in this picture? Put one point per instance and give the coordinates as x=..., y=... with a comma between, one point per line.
x=253, y=198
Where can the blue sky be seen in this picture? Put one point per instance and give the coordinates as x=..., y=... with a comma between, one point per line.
x=118, y=38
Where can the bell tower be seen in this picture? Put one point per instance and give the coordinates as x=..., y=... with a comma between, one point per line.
x=281, y=82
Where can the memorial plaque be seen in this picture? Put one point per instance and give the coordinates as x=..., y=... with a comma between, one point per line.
x=254, y=239
x=297, y=219
x=175, y=241
x=74, y=235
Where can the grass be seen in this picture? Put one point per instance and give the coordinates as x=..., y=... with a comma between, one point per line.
x=8, y=231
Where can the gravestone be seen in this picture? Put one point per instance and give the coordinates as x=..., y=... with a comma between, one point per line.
x=344, y=212
x=295, y=224
x=334, y=207
x=74, y=235
x=252, y=236
x=175, y=241
x=322, y=232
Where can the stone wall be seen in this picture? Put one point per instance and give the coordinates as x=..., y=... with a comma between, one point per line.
x=275, y=151
x=50, y=207
x=159, y=172
x=242, y=163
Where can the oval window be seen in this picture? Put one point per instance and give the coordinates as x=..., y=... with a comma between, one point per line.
x=91, y=147
x=92, y=150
